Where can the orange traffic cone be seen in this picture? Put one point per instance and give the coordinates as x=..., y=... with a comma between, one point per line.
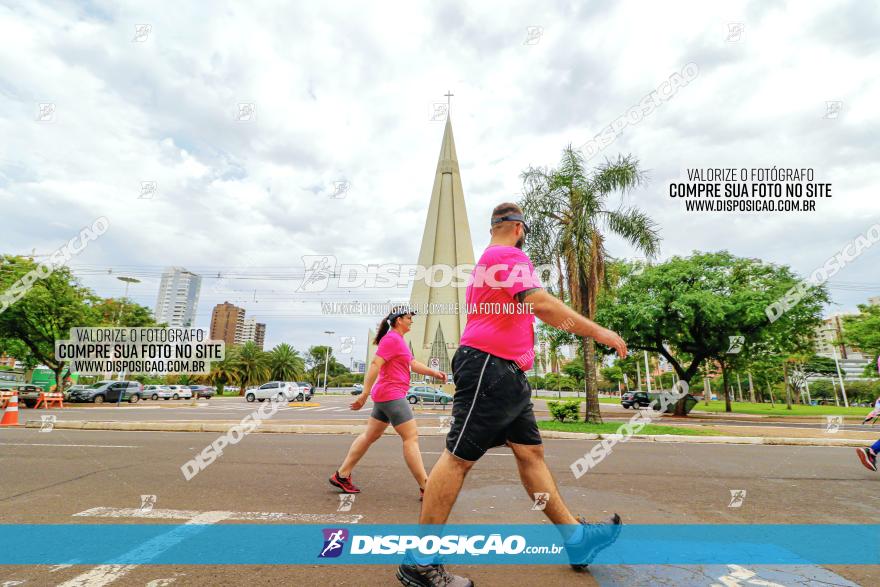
x=10, y=414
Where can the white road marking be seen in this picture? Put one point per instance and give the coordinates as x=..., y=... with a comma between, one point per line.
x=75, y=445
x=163, y=582
x=167, y=514
x=106, y=574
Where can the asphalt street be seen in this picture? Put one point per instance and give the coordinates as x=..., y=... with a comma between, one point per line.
x=336, y=408
x=49, y=477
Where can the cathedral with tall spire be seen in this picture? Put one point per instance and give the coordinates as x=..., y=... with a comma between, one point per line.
x=446, y=241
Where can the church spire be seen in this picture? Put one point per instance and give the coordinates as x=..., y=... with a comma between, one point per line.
x=446, y=241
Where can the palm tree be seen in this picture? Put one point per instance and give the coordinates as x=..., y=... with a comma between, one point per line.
x=285, y=363
x=566, y=209
x=251, y=365
x=222, y=373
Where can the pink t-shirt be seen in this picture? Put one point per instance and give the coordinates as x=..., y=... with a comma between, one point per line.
x=497, y=323
x=393, y=380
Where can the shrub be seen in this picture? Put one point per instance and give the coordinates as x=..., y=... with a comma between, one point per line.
x=567, y=409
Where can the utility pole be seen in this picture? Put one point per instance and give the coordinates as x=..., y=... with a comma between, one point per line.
x=707, y=391
x=785, y=381
x=647, y=372
x=839, y=376
x=327, y=359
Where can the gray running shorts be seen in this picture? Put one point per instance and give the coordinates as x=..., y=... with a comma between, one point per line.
x=396, y=411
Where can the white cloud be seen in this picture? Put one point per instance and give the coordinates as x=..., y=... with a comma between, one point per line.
x=343, y=91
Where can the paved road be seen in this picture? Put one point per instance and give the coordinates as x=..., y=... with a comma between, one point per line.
x=49, y=477
x=329, y=407
x=336, y=408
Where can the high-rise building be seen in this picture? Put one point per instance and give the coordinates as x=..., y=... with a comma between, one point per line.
x=446, y=241
x=247, y=331
x=227, y=323
x=829, y=337
x=260, y=334
x=252, y=331
x=178, y=297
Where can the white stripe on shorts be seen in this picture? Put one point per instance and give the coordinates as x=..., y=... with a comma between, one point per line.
x=473, y=403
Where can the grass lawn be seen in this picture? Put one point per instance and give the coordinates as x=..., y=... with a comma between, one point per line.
x=755, y=409
x=612, y=427
x=602, y=400
x=779, y=409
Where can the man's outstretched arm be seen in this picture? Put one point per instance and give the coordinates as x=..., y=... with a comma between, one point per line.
x=555, y=313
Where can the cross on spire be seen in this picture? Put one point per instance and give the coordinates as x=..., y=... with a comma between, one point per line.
x=448, y=95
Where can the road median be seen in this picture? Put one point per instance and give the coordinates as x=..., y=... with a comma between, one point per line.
x=221, y=427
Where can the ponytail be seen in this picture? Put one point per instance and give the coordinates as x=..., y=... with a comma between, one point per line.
x=389, y=321
x=384, y=327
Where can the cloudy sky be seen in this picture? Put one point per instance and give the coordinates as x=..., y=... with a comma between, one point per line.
x=346, y=91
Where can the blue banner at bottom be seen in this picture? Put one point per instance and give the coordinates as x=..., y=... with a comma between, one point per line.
x=356, y=544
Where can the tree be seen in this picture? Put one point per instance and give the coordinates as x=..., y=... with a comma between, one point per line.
x=223, y=372
x=123, y=312
x=613, y=375
x=863, y=331
x=554, y=338
x=812, y=367
x=711, y=306
x=567, y=211
x=574, y=370
x=250, y=365
x=51, y=307
x=315, y=358
x=285, y=363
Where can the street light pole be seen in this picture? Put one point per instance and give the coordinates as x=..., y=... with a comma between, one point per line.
x=327, y=360
x=840, y=376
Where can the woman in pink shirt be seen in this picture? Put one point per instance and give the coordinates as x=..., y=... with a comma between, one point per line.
x=387, y=381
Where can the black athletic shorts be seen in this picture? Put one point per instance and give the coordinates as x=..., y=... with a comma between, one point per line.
x=492, y=405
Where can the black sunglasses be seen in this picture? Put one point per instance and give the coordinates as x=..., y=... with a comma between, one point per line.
x=511, y=218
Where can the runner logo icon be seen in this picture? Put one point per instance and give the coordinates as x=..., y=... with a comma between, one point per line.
x=334, y=542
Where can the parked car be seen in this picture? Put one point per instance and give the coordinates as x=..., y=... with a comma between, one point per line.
x=423, y=393
x=110, y=391
x=155, y=391
x=202, y=391
x=357, y=389
x=280, y=391
x=28, y=395
x=72, y=388
x=635, y=399
x=177, y=392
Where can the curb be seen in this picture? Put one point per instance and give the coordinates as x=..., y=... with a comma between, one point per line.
x=276, y=428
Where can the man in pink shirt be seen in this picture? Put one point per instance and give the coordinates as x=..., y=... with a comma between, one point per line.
x=492, y=404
